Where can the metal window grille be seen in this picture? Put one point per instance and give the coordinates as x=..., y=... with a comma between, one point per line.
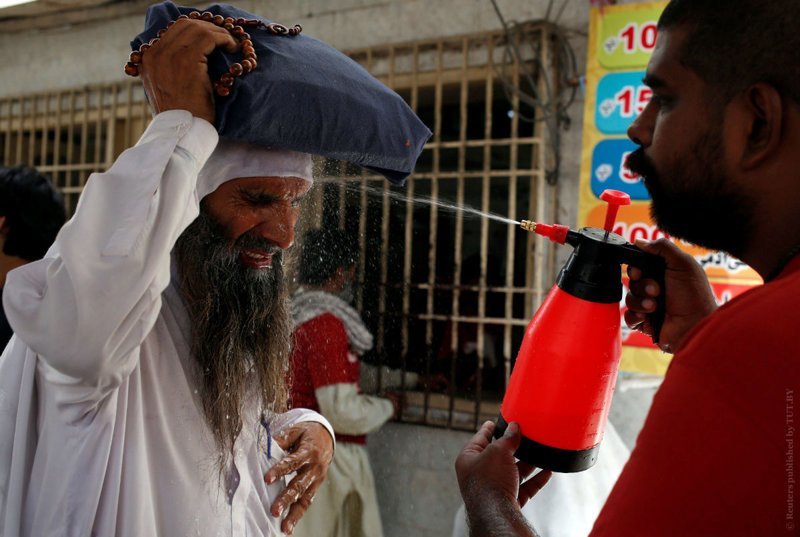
x=72, y=133
x=445, y=291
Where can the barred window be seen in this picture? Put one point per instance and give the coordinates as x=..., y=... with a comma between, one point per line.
x=445, y=289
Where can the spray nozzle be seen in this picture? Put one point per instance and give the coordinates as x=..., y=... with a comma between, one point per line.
x=560, y=234
x=554, y=232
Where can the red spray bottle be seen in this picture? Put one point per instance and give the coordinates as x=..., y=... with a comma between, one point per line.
x=561, y=386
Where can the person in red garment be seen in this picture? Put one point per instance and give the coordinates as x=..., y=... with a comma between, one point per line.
x=329, y=340
x=720, y=154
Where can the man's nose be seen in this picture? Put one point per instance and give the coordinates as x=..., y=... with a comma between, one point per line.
x=279, y=230
x=641, y=130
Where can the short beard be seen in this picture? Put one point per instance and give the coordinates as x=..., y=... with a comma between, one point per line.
x=241, y=328
x=697, y=202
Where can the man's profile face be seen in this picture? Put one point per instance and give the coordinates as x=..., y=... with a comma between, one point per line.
x=682, y=158
x=259, y=215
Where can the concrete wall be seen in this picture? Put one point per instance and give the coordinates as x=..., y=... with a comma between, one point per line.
x=416, y=482
x=93, y=52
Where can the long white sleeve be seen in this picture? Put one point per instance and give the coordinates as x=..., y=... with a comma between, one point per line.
x=351, y=412
x=299, y=415
x=86, y=308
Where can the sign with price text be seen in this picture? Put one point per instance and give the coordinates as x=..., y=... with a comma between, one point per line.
x=621, y=40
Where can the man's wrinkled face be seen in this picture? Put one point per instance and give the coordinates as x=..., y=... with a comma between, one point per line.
x=231, y=280
x=259, y=215
x=682, y=154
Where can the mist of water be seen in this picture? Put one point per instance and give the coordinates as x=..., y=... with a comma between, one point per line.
x=400, y=197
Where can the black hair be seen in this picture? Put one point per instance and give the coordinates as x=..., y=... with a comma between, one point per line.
x=322, y=252
x=33, y=209
x=737, y=43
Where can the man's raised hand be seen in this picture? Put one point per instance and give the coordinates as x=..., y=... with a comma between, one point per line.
x=175, y=69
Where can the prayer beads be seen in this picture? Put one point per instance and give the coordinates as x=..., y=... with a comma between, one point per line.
x=236, y=27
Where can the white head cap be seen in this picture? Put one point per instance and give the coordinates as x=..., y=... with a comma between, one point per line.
x=234, y=160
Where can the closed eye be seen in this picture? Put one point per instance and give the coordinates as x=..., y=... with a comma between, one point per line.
x=257, y=197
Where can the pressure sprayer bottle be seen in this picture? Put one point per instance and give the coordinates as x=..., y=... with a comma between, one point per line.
x=560, y=389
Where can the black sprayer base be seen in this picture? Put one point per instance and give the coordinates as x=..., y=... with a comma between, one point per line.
x=550, y=458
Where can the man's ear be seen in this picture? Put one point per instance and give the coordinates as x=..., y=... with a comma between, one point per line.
x=764, y=110
x=3, y=229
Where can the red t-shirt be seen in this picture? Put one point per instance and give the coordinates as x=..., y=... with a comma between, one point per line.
x=716, y=454
x=321, y=356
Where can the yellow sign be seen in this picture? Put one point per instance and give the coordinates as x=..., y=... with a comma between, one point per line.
x=621, y=40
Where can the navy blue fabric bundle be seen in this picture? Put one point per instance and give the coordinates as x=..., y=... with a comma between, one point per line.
x=307, y=96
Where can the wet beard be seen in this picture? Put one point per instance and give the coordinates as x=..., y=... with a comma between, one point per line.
x=697, y=202
x=241, y=327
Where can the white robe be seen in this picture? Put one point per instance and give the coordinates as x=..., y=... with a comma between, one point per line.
x=101, y=432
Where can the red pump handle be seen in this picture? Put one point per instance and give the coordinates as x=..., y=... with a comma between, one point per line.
x=615, y=199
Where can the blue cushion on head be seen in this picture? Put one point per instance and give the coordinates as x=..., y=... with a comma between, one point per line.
x=307, y=96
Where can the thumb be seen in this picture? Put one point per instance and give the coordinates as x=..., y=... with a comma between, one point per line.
x=288, y=437
x=511, y=438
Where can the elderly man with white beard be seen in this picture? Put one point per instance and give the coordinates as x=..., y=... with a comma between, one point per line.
x=144, y=391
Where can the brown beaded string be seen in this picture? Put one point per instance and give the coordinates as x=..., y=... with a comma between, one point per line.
x=223, y=86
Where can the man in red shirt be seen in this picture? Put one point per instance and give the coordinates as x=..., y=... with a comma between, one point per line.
x=329, y=339
x=720, y=154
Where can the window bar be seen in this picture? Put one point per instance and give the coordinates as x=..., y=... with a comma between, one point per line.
x=459, y=235
x=534, y=244
x=98, y=127
x=485, y=193
x=385, y=220
x=57, y=144
x=84, y=138
x=146, y=116
x=362, y=218
x=434, y=218
x=32, y=136
x=473, y=319
x=44, y=161
x=128, y=115
x=20, y=131
x=111, y=140
x=409, y=229
x=541, y=183
x=7, y=105
x=551, y=258
x=512, y=230
x=68, y=183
